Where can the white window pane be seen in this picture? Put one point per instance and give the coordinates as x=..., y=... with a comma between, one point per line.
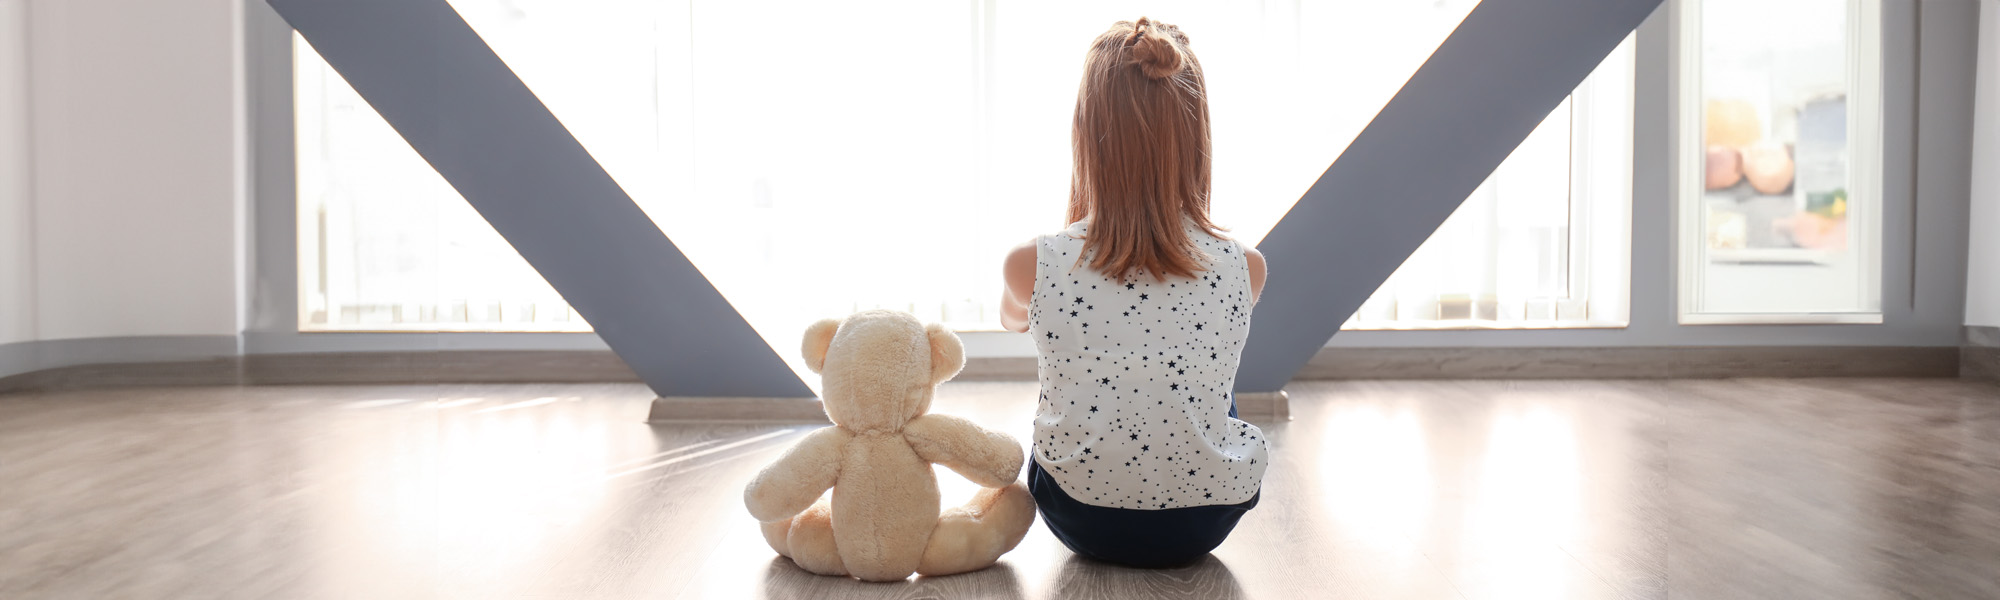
x=814, y=158
x=1523, y=249
x=1503, y=257
x=385, y=242
x=1779, y=191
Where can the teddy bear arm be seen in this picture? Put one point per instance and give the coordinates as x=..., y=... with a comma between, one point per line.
x=791, y=484
x=987, y=457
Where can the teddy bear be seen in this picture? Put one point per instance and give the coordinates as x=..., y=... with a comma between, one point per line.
x=879, y=370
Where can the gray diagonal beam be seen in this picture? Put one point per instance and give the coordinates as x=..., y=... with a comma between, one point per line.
x=1487, y=86
x=458, y=105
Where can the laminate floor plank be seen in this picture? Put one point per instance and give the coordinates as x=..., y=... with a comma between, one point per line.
x=1460, y=489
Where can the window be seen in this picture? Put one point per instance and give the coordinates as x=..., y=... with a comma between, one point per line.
x=816, y=159
x=1544, y=242
x=1780, y=179
x=384, y=243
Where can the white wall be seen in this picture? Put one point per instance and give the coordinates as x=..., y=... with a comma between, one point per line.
x=17, y=292
x=1982, y=284
x=138, y=166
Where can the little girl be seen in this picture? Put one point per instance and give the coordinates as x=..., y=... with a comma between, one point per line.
x=1139, y=310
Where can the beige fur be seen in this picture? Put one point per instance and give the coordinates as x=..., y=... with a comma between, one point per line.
x=879, y=370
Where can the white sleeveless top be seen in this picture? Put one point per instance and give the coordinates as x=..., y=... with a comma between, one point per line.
x=1136, y=379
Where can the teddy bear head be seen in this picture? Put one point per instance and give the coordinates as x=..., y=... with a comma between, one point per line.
x=879, y=368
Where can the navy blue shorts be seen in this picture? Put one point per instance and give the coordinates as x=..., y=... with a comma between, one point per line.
x=1149, y=539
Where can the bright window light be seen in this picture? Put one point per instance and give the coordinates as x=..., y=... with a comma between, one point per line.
x=1544, y=242
x=813, y=159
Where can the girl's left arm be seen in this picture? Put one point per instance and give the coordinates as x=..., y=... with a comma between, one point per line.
x=1020, y=288
x=1257, y=274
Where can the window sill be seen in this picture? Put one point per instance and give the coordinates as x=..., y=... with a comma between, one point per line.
x=448, y=328
x=1479, y=324
x=1466, y=325
x=1782, y=319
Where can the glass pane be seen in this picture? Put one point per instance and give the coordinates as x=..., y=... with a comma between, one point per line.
x=814, y=159
x=1784, y=204
x=385, y=244
x=1503, y=256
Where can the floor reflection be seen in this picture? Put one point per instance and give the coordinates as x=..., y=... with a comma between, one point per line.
x=1524, y=505
x=1459, y=490
x=1209, y=578
x=687, y=453
x=784, y=580
x=1375, y=473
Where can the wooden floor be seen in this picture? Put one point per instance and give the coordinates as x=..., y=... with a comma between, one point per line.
x=1620, y=489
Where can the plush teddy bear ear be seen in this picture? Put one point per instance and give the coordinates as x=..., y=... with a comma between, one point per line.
x=947, y=353
x=818, y=337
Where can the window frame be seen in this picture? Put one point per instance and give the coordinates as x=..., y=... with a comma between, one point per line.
x=1865, y=125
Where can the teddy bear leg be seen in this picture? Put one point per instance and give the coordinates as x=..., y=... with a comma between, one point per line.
x=810, y=540
x=973, y=536
x=775, y=533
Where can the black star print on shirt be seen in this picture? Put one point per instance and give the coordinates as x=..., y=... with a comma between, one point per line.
x=1116, y=415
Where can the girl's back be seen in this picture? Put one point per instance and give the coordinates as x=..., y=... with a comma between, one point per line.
x=1139, y=311
x=1136, y=376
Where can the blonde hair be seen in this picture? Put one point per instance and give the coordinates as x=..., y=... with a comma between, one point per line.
x=1141, y=146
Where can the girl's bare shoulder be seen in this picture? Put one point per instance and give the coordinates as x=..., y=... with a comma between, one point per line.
x=1022, y=255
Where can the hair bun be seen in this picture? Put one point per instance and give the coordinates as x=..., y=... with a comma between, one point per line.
x=1155, y=53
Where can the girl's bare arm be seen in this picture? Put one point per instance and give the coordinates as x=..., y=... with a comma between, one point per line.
x=1020, y=276
x=1256, y=263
